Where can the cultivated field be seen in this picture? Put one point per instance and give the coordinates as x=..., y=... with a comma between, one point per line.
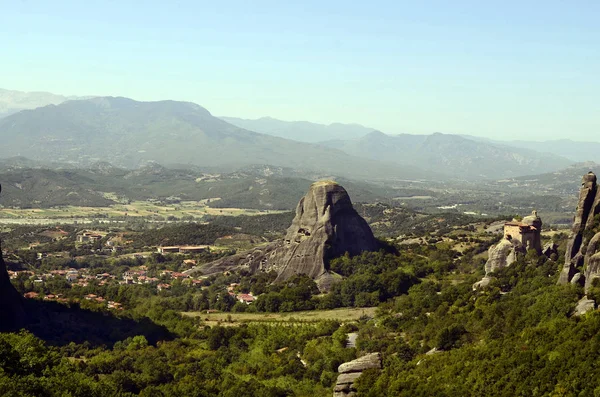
x=136, y=209
x=342, y=315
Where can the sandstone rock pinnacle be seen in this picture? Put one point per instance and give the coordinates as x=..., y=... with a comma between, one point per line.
x=326, y=225
x=581, y=249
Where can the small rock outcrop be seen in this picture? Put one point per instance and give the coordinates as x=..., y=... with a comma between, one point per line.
x=583, y=247
x=351, y=371
x=502, y=255
x=326, y=225
x=550, y=249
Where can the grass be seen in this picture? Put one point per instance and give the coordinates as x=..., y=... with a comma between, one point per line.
x=195, y=209
x=343, y=315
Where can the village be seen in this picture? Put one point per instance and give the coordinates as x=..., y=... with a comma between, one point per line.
x=158, y=269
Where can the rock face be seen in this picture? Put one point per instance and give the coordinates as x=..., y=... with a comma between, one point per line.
x=11, y=305
x=502, y=255
x=12, y=314
x=351, y=371
x=584, y=240
x=325, y=226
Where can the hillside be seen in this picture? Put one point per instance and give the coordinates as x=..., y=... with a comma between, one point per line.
x=128, y=133
x=302, y=131
x=258, y=187
x=453, y=154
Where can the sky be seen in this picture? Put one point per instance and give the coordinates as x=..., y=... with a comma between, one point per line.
x=497, y=69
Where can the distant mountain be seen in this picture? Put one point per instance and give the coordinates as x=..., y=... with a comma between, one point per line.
x=452, y=154
x=576, y=151
x=573, y=150
x=15, y=101
x=128, y=133
x=302, y=131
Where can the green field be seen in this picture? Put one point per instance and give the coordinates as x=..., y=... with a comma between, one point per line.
x=194, y=209
x=342, y=315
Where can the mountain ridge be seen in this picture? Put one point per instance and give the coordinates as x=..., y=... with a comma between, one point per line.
x=129, y=133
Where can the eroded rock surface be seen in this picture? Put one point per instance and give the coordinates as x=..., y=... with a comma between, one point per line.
x=351, y=371
x=325, y=226
x=502, y=255
x=579, y=250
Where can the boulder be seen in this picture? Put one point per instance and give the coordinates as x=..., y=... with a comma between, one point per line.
x=351, y=371
x=484, y=282
x=583, y=306
x=502, y=255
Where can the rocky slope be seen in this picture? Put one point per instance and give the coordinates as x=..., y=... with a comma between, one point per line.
x=325, y=226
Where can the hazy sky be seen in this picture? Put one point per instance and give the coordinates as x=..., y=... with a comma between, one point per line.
x=502, y=69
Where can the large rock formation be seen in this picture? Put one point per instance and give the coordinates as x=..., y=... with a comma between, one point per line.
x=11, y=305
x=351, y=371
x=325, y=226
x=582, y=254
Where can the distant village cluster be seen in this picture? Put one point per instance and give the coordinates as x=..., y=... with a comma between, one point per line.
x=99, y=244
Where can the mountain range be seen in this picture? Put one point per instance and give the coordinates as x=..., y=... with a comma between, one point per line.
x=130, y=133
x=302, y=131
x=465, y=158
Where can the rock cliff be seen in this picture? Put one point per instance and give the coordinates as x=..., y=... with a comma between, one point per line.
x=351, y=371
x=11, y=304
x=325, y=226
x=582, y=257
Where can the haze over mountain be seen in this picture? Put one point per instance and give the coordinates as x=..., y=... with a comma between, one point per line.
x=14, y=101
x=573, y=150
x=453, y=154
x=303, y=131
x=128, y=133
